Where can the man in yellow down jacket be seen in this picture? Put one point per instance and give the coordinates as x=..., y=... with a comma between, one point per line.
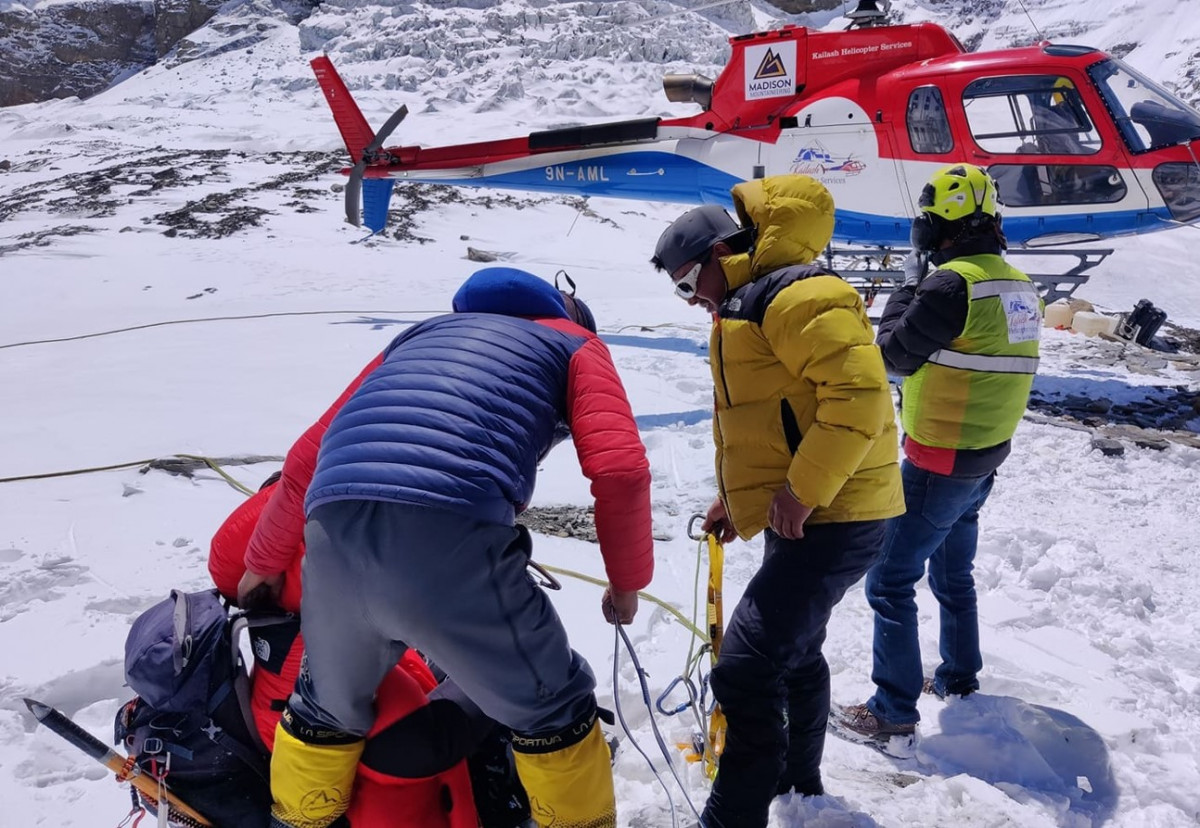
x=806, y=450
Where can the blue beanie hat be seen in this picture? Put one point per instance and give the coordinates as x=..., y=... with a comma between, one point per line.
x=509, y=291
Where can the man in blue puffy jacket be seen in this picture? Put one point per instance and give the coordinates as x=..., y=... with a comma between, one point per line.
x=412, y=541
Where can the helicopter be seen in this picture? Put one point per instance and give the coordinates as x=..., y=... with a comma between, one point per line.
x=1082, y=146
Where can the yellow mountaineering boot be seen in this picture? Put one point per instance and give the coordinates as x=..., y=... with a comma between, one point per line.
x=311, y=783
x=568, y=777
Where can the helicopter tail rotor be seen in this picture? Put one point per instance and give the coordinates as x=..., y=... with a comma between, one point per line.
x=364, y=144
x=371, y=154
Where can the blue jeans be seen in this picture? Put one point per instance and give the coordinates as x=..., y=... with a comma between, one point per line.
x=941, y=526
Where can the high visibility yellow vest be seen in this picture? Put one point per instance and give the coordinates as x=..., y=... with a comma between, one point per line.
x=972, y=393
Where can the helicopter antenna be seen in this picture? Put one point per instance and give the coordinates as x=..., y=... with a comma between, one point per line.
x=1025, y=9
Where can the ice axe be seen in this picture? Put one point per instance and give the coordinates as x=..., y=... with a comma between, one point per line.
x=123, y=767
x=371, y=154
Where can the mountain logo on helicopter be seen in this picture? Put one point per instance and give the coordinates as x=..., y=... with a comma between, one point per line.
x=817, y=161
x=770, y=70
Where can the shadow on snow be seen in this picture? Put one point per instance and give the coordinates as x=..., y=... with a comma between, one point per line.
x=1018, y=746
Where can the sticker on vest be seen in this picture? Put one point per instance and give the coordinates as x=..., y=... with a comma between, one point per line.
x=1024, y=317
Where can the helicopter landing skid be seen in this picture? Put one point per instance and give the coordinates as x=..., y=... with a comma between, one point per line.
x=880, y=271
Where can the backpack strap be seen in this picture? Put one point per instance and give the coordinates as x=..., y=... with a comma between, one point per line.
x=254, y=758
x=182, y=649
x=241, y=621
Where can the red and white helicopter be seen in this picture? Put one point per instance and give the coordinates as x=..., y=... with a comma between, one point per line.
x=1082, y=146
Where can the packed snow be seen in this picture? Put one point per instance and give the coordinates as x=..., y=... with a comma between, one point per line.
x=1089, y=712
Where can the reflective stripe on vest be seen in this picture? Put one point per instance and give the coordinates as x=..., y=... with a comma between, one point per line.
x=983, y=362
x=972, y=393
x=995, y=287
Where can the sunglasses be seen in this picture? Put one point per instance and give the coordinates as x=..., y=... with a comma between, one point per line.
x=686, y=287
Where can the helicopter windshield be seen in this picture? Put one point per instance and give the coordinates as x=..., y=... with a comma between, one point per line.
x=1148, y=116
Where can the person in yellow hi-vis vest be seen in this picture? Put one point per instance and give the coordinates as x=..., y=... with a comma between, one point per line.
x=965, y=340
x=806, y=454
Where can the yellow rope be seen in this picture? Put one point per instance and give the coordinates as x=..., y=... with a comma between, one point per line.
x=244, y=316
x=212, y=464
x=692, y=628
x=208, y=461
x=74, y=471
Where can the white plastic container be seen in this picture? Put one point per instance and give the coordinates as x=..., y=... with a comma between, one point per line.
x=1092, y=324
x=1058, y=315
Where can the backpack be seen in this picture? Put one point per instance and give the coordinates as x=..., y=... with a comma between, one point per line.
x=190, y=724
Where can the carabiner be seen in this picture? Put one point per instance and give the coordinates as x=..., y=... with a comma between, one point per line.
x=691, y=531
x=691, y=688
x=543, y=578
x=707, y=704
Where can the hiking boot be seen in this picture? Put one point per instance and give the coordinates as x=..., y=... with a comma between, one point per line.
x=859, y=719
x=808, y=789
x=929, y=688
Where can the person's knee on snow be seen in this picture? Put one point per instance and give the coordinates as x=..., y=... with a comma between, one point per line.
x=567, y=774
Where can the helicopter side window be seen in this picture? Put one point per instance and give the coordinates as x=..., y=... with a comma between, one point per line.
x=1038, y=115
x=928, y=126
x=1032, y=185
x=1029, y=114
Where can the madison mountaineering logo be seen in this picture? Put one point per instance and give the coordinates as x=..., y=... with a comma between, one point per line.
x=771, y=67
x=770, y=70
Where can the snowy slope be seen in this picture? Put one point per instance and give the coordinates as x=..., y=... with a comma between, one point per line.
x=201, y=190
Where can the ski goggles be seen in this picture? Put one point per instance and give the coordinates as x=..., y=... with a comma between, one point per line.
x=687, y=286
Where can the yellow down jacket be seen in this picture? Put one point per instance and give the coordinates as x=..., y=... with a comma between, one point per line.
x=800, y=389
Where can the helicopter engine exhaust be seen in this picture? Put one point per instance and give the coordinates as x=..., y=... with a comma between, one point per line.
x=691, y=88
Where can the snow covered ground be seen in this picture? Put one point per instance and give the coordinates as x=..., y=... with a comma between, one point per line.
x=1089, y=713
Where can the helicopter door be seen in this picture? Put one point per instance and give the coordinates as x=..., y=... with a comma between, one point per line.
x=834, y=141
x=1043, y=146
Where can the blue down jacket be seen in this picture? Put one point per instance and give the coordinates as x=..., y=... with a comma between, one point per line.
x=456, y=416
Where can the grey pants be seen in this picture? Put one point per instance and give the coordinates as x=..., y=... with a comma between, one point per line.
x=381, y=576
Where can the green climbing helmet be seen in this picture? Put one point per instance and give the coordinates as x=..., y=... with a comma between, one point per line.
x=960, y=191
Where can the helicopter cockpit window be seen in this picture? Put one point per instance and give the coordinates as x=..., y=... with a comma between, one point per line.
x=1041, y=114
x=1147, y=115
x=928, y=126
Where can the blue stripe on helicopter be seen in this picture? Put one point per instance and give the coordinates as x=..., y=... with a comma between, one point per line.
x=1102, y=224
x=662, y=176
x=653, y=176
x=888, y=231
